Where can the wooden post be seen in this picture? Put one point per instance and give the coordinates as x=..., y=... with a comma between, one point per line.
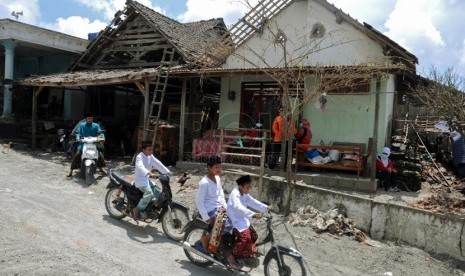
x=182, y=122
x=375, y=131
x=262, y=164
x=220, y=146
x=35, y=94
x=146, y=107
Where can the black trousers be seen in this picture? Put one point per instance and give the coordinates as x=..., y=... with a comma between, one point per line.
x=275, y=154
x=387, y=178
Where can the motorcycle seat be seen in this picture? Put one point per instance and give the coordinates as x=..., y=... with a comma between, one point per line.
x=125, y=180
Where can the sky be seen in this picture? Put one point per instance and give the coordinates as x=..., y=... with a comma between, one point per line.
x=430, y=29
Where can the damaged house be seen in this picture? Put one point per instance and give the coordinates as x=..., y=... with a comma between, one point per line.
x=180, y=83
x=125, y=77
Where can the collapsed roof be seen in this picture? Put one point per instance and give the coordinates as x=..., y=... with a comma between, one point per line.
x=136, y=35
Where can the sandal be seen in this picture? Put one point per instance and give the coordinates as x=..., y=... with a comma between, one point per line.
x=233, y=264
x=133, y=216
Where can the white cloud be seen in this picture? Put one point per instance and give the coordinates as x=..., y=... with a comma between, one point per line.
x=229, y=10
x=369, y=11
x=109, y=7
x=76, y=26
x=414, y=22
x=81, y=26
x=30, y=9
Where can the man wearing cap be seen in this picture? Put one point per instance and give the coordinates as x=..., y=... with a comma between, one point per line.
x=87, y=129
x=237, y=210
x=385, y=170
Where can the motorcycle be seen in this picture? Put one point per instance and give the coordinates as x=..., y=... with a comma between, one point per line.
x=279, y=260
x=89, y=158
x=63, y=139
x=123, y=196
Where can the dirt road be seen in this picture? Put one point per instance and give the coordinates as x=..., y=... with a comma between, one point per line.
x=53, y=225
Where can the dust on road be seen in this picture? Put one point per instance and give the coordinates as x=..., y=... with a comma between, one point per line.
x=53, y=225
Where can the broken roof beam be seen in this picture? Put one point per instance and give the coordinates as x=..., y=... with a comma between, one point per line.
x=138, y=49
x=245, y=27
x=249, y=24
x=91, y=51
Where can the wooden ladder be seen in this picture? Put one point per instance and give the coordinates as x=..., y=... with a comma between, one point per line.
x=159, y=92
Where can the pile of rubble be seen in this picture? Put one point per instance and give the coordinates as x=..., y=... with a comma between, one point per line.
x=407, y=163
x=334, y=221
x=447, y=192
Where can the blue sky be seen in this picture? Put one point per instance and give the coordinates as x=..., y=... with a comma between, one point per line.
x=430, y=29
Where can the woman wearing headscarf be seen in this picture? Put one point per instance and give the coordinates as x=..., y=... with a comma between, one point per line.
x=304, y=134
x=385, y=170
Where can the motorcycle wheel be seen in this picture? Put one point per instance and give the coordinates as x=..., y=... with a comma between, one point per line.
x=89, y=172
x=110, y=206
x=291, y=266
x=82, y=170
x=173, y=228
x=191, y=236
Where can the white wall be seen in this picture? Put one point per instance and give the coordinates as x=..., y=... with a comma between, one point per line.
x=342, y=45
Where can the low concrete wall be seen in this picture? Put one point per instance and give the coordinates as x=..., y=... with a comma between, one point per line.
x=435, y=233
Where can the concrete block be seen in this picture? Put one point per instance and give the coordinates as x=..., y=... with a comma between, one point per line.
x=379, y=214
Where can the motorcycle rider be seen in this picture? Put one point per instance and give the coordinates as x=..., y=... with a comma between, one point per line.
x=87, y=129
x=145, y=162
x=237, y=211
x=210, y=198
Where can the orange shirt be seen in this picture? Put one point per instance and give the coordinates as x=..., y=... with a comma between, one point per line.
x=278, y=126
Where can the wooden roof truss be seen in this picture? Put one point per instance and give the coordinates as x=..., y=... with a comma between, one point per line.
x=130, y=42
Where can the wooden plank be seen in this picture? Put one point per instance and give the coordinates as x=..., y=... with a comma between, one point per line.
x=182, y=122
x=138, y=33
x=140, y=49
x=241, y=154
x=141, y=88
x=375, y=132
x=140, y=41
x=221, y=143
x=244, y=148
x=303, y=148
x=129, y=65
x=146, y=105
x=35, y=94
x=328, y=166
x=249, y=24
x=262, y=164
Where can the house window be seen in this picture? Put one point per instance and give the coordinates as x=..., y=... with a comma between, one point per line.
x=259, y=103
x=354, y=86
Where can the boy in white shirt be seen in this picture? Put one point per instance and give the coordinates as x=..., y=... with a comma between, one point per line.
x=246, y=236
x=145, y=163
x=210, y=197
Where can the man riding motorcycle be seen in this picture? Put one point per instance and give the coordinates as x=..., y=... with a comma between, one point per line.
x=88, y=129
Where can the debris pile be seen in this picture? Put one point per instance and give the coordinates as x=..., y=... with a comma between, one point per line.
x=334, y=221
x=422, y=153
x=407, y=163
x=447, y=193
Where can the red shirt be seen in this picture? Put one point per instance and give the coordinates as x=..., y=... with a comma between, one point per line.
x=380, y=166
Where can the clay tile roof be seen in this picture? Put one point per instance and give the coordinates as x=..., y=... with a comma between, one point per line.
x=190, y=39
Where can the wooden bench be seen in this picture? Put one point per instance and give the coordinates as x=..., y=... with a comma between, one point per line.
x=357, y=166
